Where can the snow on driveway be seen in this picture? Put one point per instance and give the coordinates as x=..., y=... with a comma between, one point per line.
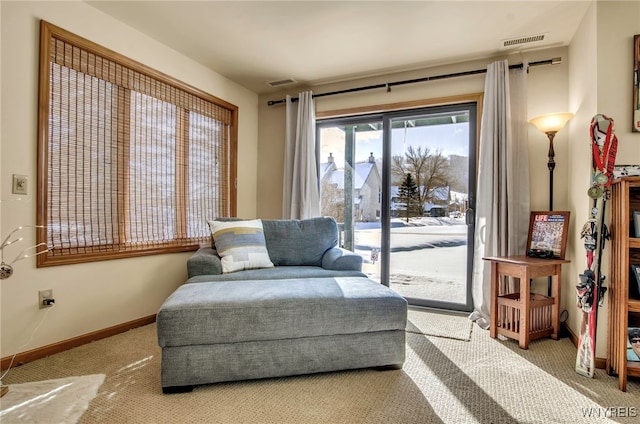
x=428, y=257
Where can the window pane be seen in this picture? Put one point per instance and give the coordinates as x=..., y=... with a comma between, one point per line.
x=206, y=136
x=351, y=186
x=152, y=170
x=81, y=185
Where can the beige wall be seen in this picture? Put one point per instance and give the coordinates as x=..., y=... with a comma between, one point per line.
x=600, y=82
x=582, y=81
x=89, y=297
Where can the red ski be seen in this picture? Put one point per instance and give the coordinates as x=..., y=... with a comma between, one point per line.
x=590, y=291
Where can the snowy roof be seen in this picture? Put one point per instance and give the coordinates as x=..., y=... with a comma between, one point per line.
x=325, y=169
x=457, y=196
x=360, y=174
x=440, y=193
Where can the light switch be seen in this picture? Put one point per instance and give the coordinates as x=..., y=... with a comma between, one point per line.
x=19, y=184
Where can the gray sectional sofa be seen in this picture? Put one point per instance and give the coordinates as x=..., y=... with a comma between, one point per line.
x=312, y=311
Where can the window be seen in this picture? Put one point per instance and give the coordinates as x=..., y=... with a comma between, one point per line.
x=130, y=161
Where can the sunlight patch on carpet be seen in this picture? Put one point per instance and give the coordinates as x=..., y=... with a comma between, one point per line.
x=62, y=400
x=439, y=324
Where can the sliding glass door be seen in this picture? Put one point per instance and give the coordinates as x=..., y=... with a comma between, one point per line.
x=401, y=186
x=351, y=186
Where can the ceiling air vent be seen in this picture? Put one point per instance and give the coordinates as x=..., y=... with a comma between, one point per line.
x=278, y=83
x=511, y=42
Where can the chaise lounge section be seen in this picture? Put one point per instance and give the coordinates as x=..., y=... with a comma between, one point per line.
x=312, y=311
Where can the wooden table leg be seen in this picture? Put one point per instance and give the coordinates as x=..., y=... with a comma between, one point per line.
x=525, y=313
x=555, y=308
x=493, y=326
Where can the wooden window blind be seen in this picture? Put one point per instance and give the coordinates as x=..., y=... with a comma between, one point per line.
x=130, y=161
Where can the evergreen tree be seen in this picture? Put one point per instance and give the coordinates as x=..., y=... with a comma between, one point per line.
x=408, y=194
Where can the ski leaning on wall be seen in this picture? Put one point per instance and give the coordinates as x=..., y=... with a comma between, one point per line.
x=590, y=291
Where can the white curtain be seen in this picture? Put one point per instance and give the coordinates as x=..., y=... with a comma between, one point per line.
x=301, y=197
x=502, y=206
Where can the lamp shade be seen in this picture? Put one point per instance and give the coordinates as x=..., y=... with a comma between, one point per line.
x=551, y=122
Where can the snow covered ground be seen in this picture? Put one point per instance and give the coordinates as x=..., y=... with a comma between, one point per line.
x=428, y=257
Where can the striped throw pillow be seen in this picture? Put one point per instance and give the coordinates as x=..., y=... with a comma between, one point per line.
x=240, y=245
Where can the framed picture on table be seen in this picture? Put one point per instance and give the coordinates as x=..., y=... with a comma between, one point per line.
x=548, y=234
x=636, y=83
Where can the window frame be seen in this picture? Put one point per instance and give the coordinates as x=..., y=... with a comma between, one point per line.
x=49, y=31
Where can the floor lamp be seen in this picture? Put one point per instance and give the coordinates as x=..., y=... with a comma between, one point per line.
x=550, y=124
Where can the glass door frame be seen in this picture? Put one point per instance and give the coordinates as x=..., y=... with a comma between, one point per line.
x=385, y=254
x=386, y=118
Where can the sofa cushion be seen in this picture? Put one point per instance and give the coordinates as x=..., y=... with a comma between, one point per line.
x=295, y=241
x=300, y=241
x=240, y=245
x=277, y=273
x=249, y=310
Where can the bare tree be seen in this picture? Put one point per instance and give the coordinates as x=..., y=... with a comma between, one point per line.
x=430, y=170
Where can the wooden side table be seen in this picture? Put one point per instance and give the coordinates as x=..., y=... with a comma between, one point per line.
x=523, y=315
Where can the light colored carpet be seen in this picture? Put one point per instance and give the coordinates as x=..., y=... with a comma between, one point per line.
x=59, y=401
x=443, y=381
x=439, y=324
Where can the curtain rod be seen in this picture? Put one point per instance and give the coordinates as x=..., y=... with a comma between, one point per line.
x=388, y=85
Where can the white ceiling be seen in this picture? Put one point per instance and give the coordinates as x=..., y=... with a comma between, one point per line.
x=314, y=42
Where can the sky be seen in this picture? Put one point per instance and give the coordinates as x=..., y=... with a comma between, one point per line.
x=453, y=139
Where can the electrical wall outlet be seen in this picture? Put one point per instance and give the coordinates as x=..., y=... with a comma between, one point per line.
x=45, y=298
x=19, y=184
